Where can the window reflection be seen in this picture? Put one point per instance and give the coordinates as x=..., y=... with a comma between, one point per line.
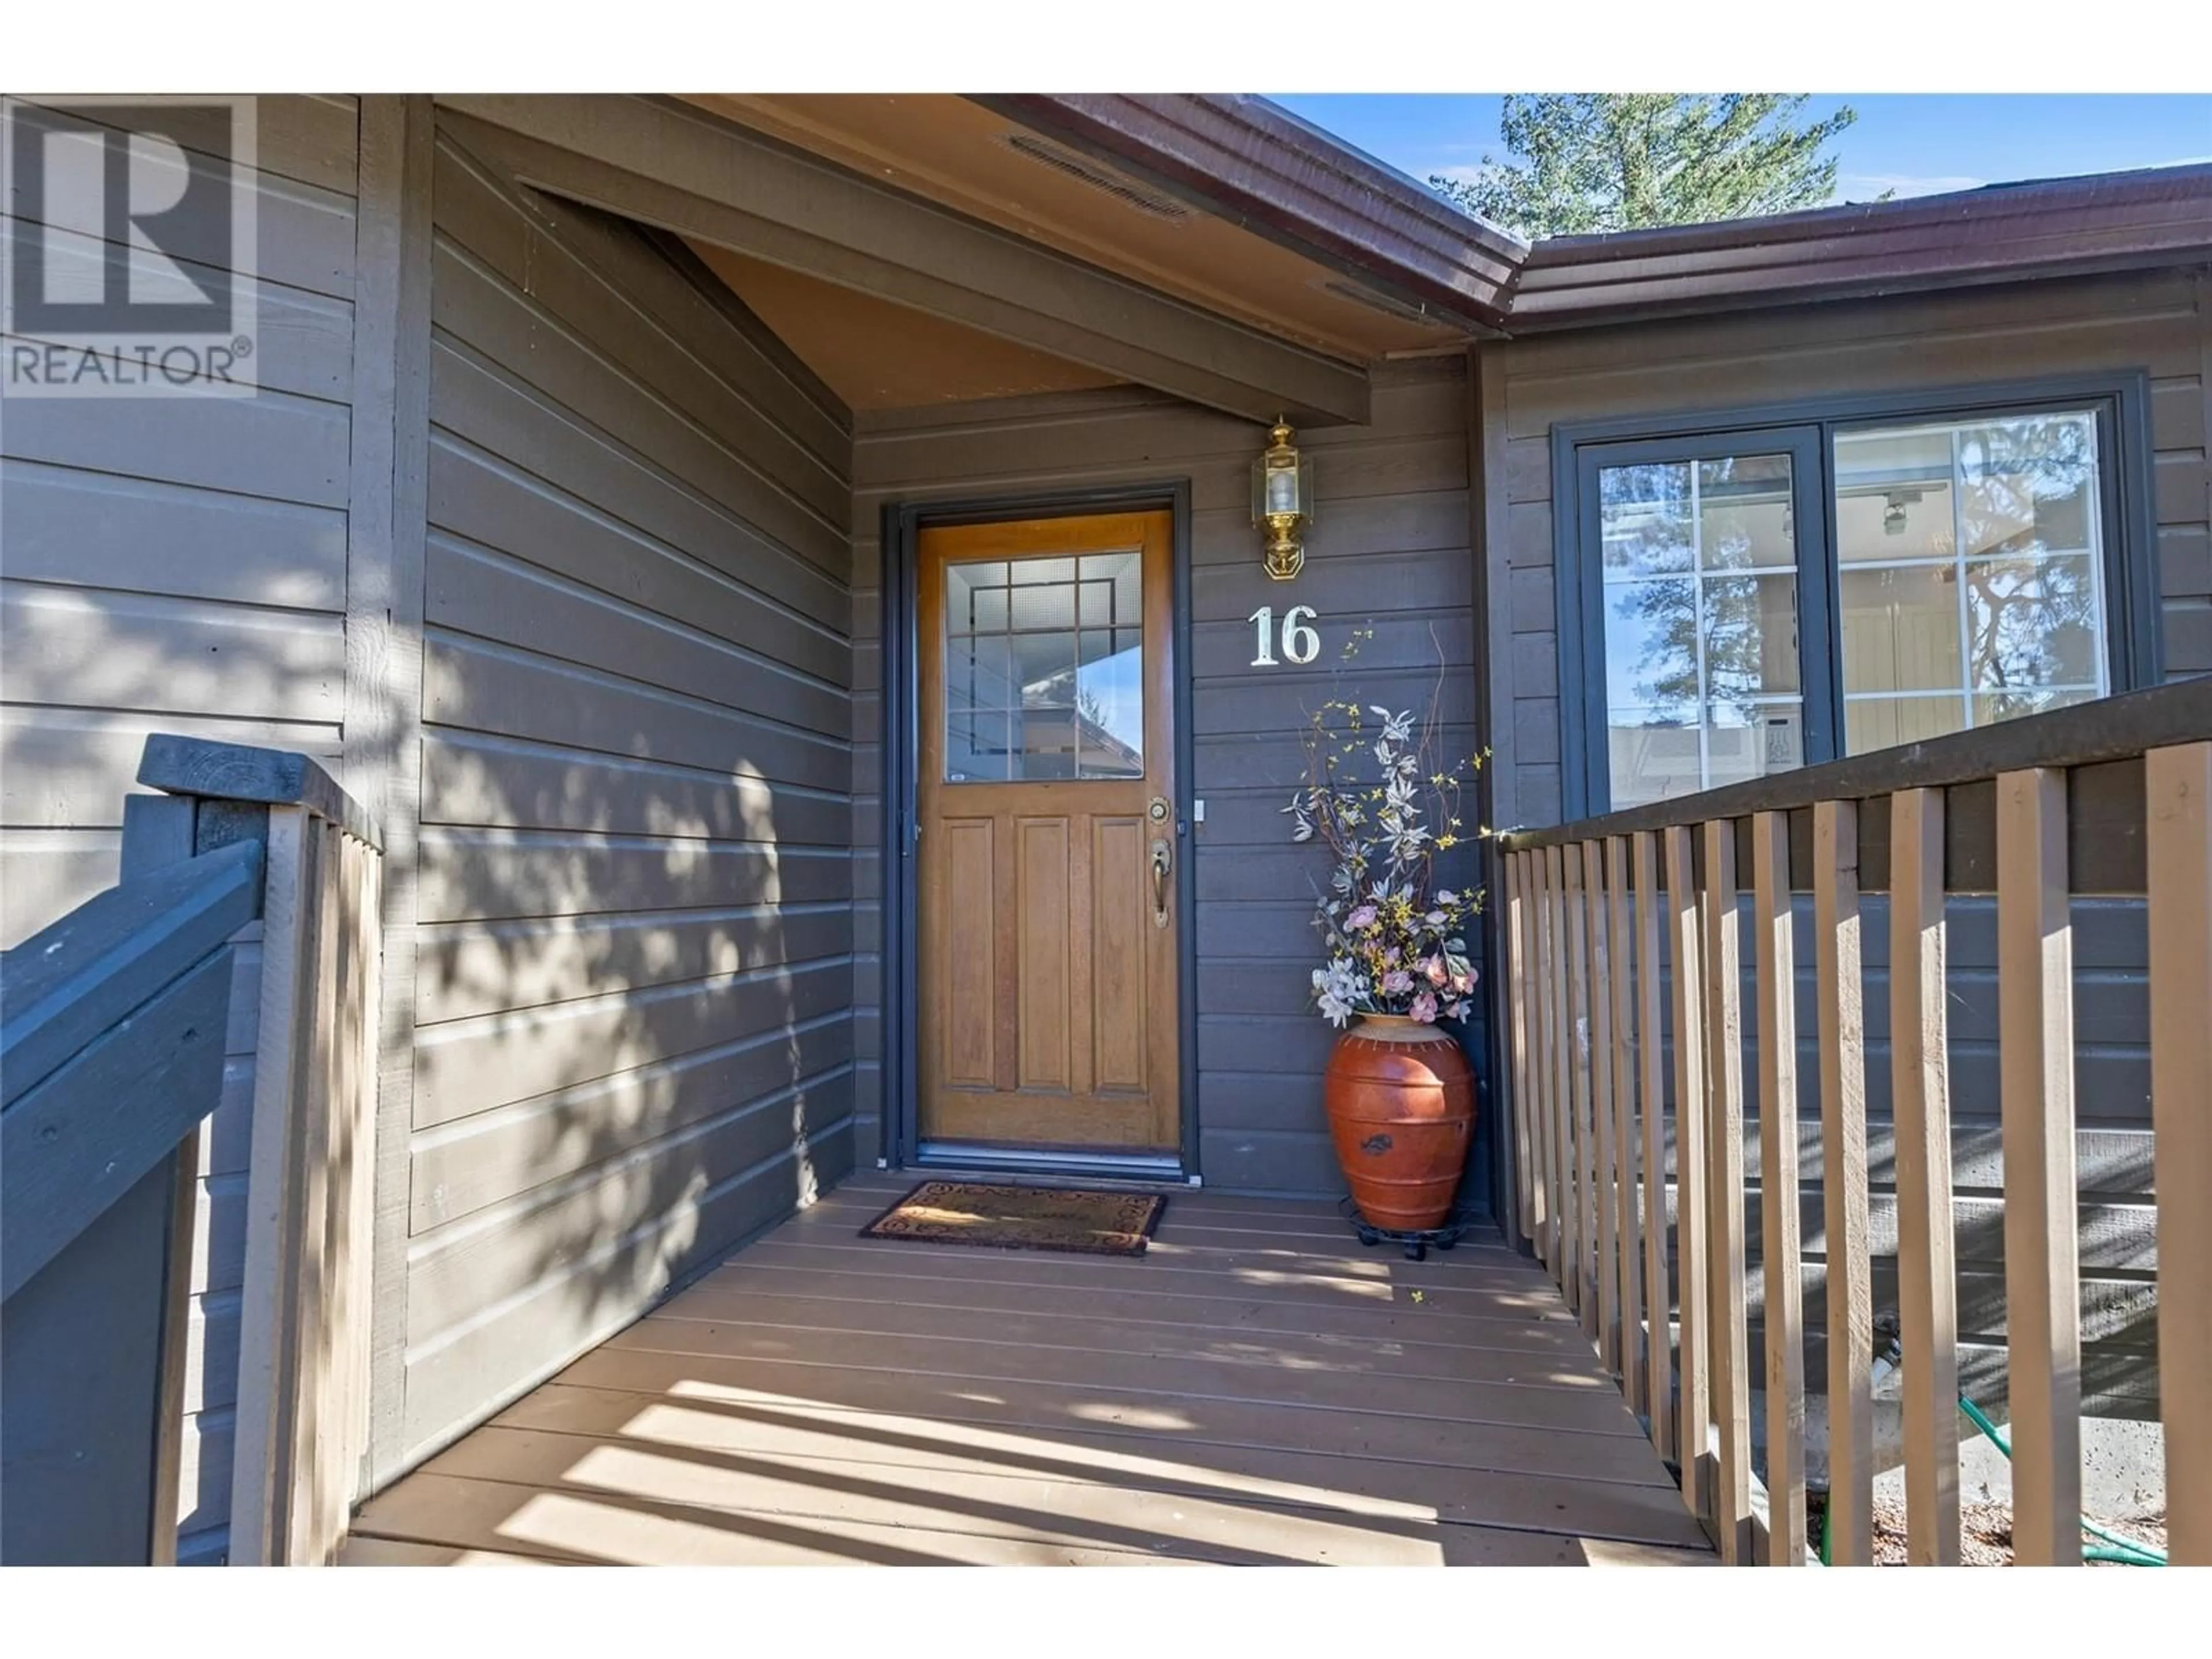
x=1044, y=669
x=1972, y=586
x=1701, y=659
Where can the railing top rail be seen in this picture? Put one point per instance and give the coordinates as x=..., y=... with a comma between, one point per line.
x=240, y=772
x=67, y=984
x=121, y=1001
x=2110, y=729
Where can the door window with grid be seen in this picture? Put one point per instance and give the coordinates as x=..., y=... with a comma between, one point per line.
x=1044, y=669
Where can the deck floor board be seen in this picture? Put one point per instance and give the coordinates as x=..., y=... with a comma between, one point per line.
x=1257, y=1389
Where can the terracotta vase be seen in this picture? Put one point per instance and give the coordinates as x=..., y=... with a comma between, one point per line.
x=1400, y=1104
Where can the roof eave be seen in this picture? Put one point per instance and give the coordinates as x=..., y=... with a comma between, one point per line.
x=2017, y=233
x=1244, y=159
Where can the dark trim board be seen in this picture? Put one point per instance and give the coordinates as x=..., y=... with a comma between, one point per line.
x=387, y=530
x=1807, y=427
x=903, y=523
x=1496, y=1056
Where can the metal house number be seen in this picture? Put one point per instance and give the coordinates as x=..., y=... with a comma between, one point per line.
x=1300, y=643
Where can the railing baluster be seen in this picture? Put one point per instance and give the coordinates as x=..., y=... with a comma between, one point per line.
x=1604, y=1183
x=2178, y=793
x=2035, y=1039
x=1927, y=1276
x=1566, y=1262
x=1693, y=1441
x=1548, y=1057
x=1598, y=995
x=1516, y=1017
x=1844, y=1182
x=1578, y=1037
x=1650, y=1075
x=1626, y=1220
x=1726, y=1331
x=1547, y=1193
x=1778, y=1190
x=1540, y=1063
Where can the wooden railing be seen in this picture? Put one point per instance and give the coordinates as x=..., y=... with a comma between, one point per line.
x=113, y=1024
x=1619, y=926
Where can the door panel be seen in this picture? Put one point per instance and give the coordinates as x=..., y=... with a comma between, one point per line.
x=1119, y=1047
x=1041, y=983
x=1048, y=947
x=966, y=970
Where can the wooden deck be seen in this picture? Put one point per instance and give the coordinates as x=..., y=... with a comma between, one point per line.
x=1256, y=1390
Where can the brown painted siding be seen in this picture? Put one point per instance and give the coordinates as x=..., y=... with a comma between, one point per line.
x=2158, y=324
x=180, y=566
x=633, y=944
x=1389, y=550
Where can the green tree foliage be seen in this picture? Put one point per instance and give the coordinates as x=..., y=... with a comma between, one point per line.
x=1585, y=162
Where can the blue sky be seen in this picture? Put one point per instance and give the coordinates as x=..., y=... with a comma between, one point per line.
x=1912, y=144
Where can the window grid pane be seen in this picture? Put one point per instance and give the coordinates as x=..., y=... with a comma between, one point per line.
x=1699, y=569
x=1044, y=669
x=1971, y=572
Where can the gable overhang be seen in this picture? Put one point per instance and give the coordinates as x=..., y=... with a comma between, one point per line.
x=679, y=168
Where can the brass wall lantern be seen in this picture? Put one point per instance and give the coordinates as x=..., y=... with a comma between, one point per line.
x=1282, y=501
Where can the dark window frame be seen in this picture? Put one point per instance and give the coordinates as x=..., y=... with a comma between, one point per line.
x=2120, y=402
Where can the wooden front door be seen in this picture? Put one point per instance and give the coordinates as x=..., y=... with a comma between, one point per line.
x=1047, y=972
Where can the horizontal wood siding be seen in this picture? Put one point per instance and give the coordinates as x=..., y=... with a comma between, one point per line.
x=2157, y=323
x=633, y=943
x=1389, y=551
x=179, y=565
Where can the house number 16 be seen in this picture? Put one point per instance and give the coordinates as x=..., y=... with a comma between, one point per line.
x=1300, y=643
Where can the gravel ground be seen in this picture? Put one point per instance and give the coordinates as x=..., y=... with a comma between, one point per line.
x=1985, y=1529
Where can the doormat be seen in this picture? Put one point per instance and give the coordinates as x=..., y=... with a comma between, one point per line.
x=1022, y=1218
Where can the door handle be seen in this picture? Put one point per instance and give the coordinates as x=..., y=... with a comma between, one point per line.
x=1163, y=867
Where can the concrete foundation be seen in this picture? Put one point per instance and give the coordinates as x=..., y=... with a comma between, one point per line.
x=2122, y=1463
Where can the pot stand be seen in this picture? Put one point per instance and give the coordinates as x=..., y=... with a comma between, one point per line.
x=1415, y=1241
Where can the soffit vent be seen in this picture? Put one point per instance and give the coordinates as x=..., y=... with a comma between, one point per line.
x=1383, y=303
x=1084, y=169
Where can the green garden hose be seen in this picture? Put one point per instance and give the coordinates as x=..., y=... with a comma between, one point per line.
x=2137, y=1555
x=2124, y=1550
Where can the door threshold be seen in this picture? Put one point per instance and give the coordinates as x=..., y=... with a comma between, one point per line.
x=1150, y=1168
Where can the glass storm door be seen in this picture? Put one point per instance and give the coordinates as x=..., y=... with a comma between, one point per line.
x=1046, y=966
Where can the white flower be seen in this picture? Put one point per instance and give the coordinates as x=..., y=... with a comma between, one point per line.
x=1337, y=991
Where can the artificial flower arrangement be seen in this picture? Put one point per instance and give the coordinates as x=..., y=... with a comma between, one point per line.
x=1394, y=941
